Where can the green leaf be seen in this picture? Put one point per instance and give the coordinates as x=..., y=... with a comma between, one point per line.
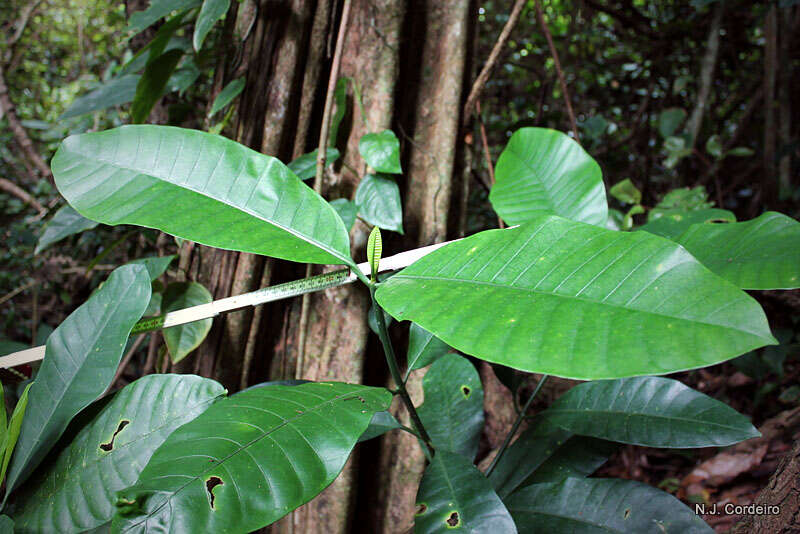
x=569, y=299
x=454, y=495
x=649, y=411
x=6, y=525
x=381, y=423
x=714, y=146
x=340, y=97
x=80, y=360
x=249, y=459
x=155, y=265
x=111, y=450
x=227, y=95
x=157, y=10
x=3, y=421
x=595, y=505
x=378, y=201
x=12, y=432
x=183, y=339
x=305, y=166
x=740, y=152
x=763, y=253
x=8, y=346
x=543, y=171
x=347, y=210
x=200, y=187
x=684, y=198
x=423, y=347
x=578, y=457
x=626, y=192
x=210, y=13
x=670, y=120
x=374, y=251
x=65, y=222
x=381, y=151
x=453, y=409
x=164, y=40
x=671, y=223
x=115, y=92
x=152, y=84
x=533, y=447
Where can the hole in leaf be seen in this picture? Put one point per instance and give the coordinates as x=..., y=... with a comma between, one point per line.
x=466, y=391
x=717, y=221
x=453, y=521
x=421, y=508
x=627, y=513
x=110, y=445
x=212, y=483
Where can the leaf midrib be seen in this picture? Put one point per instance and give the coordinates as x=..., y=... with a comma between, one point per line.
x=641, y=414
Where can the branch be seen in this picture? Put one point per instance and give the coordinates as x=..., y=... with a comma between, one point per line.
x=20, y=25
x=483, y=77
x=13, y=189
x=706, y=75
x=560, y=73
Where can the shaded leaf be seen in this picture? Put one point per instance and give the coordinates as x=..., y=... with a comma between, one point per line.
x=81, y=357
x=381, y=423
x=114, y=92
x=227, y=95
x=670, y=120
x=423, y=347
x=594, y=505
x=455, y=495
x=714, y=146
x=347, y=210
x=630, y=304
x=250, y=459
x=65, y=222
x=155, y=265
x=579, y=456
x=8, y=346
x=183, y=339
x=210, y=12
x=626, y=192
x=119, y=440
x=6, y=525
x=453, y=409
x=763, y=253
x=672, y=223
x=378, y=201
x=543, y=171
x=200, y=187
x=12, y=432
x=649, y=411
x=381, y=151
x=741, y=152
x=157, y=10
x=340, y=98
x=152, y=84
x=305, y=166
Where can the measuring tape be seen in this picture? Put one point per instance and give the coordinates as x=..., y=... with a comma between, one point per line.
x=254, y=298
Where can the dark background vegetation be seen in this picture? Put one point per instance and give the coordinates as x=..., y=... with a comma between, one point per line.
x=625, y=62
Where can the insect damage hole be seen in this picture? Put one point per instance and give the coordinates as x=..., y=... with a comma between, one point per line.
x=466, y=391
x=421, y=508
x=453, y=521
x=627, y=513
x=212, y=483
x=110, y=445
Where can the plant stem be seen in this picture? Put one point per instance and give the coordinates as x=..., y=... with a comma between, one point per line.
x=391, y=361
x=515, y=426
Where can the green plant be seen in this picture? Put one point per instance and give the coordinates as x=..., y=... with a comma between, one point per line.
x=559, y=294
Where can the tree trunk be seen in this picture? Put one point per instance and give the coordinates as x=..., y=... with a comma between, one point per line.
x=706, y=74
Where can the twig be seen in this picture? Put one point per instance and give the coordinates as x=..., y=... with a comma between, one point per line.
x=13, y=189
x=557, y=63
x=706, y=75
x=17, y=291
x=322, y=154
x=487, y=154
x=486, y=71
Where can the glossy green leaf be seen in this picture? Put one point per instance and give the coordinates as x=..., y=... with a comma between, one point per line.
x=649, y=411
x=423, y=347
x=374, y=251
x=155, y=265
x=210, y=12
x=200, y=187
x=114, y=92
x=249, y=459
x=763, y=253
x=226, y=96
x=378, y=201
x=579, y=456
x=111, y=450
x=626, y=192
x=454, y=495
x=305, y=166
x=673, y=222
x=381, y=423
x=601, y=505
x=152, y=84
x=65, y=222
x=670, y=120
x=80, y=360
x=569, y=299
x=157, y=10
x=381, y=151
x=183, y=339
x=12, y=432
x=347, y=210
x=543, y=171
x=453, y=409
x=531, y=449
